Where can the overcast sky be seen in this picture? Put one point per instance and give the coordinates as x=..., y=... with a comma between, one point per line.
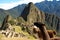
x=8, y=4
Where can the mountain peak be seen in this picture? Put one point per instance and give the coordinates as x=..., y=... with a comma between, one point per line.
x=31, y=13
x=30, y=3
x=26, y=10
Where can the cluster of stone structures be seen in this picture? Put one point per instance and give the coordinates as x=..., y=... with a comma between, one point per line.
x=11, y=34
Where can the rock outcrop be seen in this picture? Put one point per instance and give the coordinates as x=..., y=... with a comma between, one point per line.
x=32, y=14
x=5, y=22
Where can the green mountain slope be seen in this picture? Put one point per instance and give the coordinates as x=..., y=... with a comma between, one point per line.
x=32, y=14
x=2, y=15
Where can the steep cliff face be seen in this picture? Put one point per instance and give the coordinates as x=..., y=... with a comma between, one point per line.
x=2, y=15
x=32, y=14
x=53, y=21
x=5, y=21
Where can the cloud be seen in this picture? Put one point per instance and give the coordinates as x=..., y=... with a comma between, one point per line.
x=34, y=1
x=11, y=5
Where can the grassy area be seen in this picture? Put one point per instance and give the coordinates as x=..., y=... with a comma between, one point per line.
x=1, y=36
x=18, y=29
x=15, y=38
x=58, y=34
